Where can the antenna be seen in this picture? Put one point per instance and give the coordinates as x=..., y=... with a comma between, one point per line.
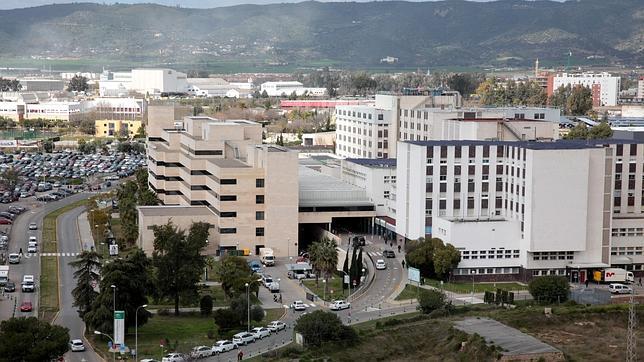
x=631, y=334
x=569, y=56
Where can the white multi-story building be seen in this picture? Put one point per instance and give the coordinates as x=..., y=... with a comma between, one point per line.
x=47, y=110
x=280, y=89
x=143, y=80
x=640, y=88
x=372, y=131
x=522, y=209
x=604, y=86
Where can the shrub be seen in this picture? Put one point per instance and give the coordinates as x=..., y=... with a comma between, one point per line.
x=430, y=300
x=549, y=289
x=320, y=327
x=212, y=334
x=205, y=305
x=256, y=313
x=226, y=319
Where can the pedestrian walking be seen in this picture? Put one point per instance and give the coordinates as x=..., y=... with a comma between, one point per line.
x=21, y=255
x=639, y=282
x=403, y=264
x=280, y=298
x=586, y=283
x=240, y=355
x=399, y=248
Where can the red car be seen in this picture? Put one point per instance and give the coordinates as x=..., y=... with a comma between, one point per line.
x=4, y=221
x=26, y=306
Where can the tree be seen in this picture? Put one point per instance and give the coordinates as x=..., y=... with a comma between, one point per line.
x=48, y=146
x=345, y=269
x=320, y=327
x=178, y=260
x=464, y=83
x=78, y=84
x=10, y=85
x=131, y=276
x=205, y=305
x=446, y=258
x=226, y=319
x=324, y=258
x=88, y=272
x=422, y=257
x=549, y=289
x=30, y=339
x=362, y=83
x=580, y=100
x=234, y=273
x=431, y=300
x=579, y=132
x=264, y=94
x=9, y=178
x=87, y=126
x=600, y=131
x=353, y=266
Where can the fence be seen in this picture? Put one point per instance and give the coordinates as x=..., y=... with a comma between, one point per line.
x=590, y=296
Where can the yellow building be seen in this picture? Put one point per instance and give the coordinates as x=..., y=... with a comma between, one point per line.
x=116, y=128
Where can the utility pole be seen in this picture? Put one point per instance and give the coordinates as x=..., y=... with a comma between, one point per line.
x=631, y=334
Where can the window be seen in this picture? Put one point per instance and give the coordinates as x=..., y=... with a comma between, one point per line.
x=259, y=231
x=259, y=182
x=228, y=197
x=227, y=230
x=259, y=199
x=228, y=214
x=228, y=181
x=259, y=215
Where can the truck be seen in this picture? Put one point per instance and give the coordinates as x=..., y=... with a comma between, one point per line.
x=267, y=256
x=4, y=275
x=613, y=275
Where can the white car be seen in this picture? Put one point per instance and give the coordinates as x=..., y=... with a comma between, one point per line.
x=340, y=305
x=14, y=258
x=260, y=332
x=298, y=305
x=275, y=326
x=201, y=352
x=32, y=248
x=173, y=357
x=380, y=264
x=33, y=226
x=267, y=280
x=33, y=239
x=617, y=288
x=76, y=345
x=243, y=338
x=223, y=346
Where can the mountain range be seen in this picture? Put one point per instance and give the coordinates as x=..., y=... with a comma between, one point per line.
x=418, y=34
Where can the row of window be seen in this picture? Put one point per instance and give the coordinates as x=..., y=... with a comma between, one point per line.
x=489, y=254
x=258, y=231
x=626, y=250
x=627, y=232
x=538, y=272
x=553, y=255
x=481, y=271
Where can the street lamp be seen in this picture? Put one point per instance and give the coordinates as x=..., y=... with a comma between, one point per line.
x=106, y=335
x=472, y=271
x=247, y=307
x=136, y=331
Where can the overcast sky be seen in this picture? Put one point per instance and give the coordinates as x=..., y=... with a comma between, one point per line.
x=13, y=4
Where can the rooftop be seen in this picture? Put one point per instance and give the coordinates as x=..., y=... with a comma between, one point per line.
x=317, y=189
x=551, y=145
x=228, y=163
x=374, y=162
x=165, y=210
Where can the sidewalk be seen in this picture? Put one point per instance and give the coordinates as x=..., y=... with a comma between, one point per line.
x=85, y=232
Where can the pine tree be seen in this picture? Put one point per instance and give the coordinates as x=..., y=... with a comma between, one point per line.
x=352, y=267
x=359, y=268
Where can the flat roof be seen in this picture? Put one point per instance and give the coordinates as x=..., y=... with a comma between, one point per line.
x=227, y=163
x=169, y=210
x=317, y=189
x=374, y=162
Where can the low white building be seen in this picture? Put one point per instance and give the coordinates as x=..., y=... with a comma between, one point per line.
x=283, y=89
x=149, y=81
x=218, y=87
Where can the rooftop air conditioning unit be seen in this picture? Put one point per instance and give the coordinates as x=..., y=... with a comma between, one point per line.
x=178, y=126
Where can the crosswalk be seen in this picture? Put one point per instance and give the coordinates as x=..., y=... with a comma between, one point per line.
x=59, y=254
x=375, y=253
x=310, y=305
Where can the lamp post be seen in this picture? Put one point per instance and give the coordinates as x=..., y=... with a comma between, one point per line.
x=247, y=307
x=472, y=271
x=136, y=331
x=106, y=335
x=95, y=232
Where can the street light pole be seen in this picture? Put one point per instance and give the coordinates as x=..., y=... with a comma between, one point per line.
x=247, y=307
x=136, y=331
x=106, y=335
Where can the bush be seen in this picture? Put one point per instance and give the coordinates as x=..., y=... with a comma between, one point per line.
x=320, y=327
x=431, y=300
x=205, y=305
x=256, y=313
x=212, y=334
x=226, y=319
x=549, y=289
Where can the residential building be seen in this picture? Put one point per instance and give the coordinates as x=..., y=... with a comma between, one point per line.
x=286, y=88
x=604, y=86
x=521, y=209
x=640, y=88
x=117, y=128
x=250, y=190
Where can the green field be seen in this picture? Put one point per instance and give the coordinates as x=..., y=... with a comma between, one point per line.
x=334, y=289
x=411, y=291
x=183, y=332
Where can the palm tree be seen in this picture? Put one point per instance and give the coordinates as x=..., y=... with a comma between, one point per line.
x=324, y=258
x=88, y=272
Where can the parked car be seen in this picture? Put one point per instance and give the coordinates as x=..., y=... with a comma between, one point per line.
x=260, y=332
x=33, y=226
x=32, y=247
x=617, y=288
x=76, y=345
x=243, y=338
x=380, y=264
x=10, y=287
x=389, y=254
x=275, y=326
x=298, y=305
x=340, y=305
x=223, y=346
x=201, y=352
x=267, y=280
x=14, y=258
x=26, y=306
x=4, y=221
x=173, y=357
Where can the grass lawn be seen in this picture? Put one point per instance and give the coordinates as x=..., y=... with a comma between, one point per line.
x=183, y=332
x=48, y=305
x=465, y=287
x=334, y=290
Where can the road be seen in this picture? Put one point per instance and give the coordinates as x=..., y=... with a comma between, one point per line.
x=69, y=243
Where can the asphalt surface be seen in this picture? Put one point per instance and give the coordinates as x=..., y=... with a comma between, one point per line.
x=70, y=243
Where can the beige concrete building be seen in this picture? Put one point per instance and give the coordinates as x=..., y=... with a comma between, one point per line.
x=247, y=191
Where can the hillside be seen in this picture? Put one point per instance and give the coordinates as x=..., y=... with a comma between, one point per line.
x=455, y=33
